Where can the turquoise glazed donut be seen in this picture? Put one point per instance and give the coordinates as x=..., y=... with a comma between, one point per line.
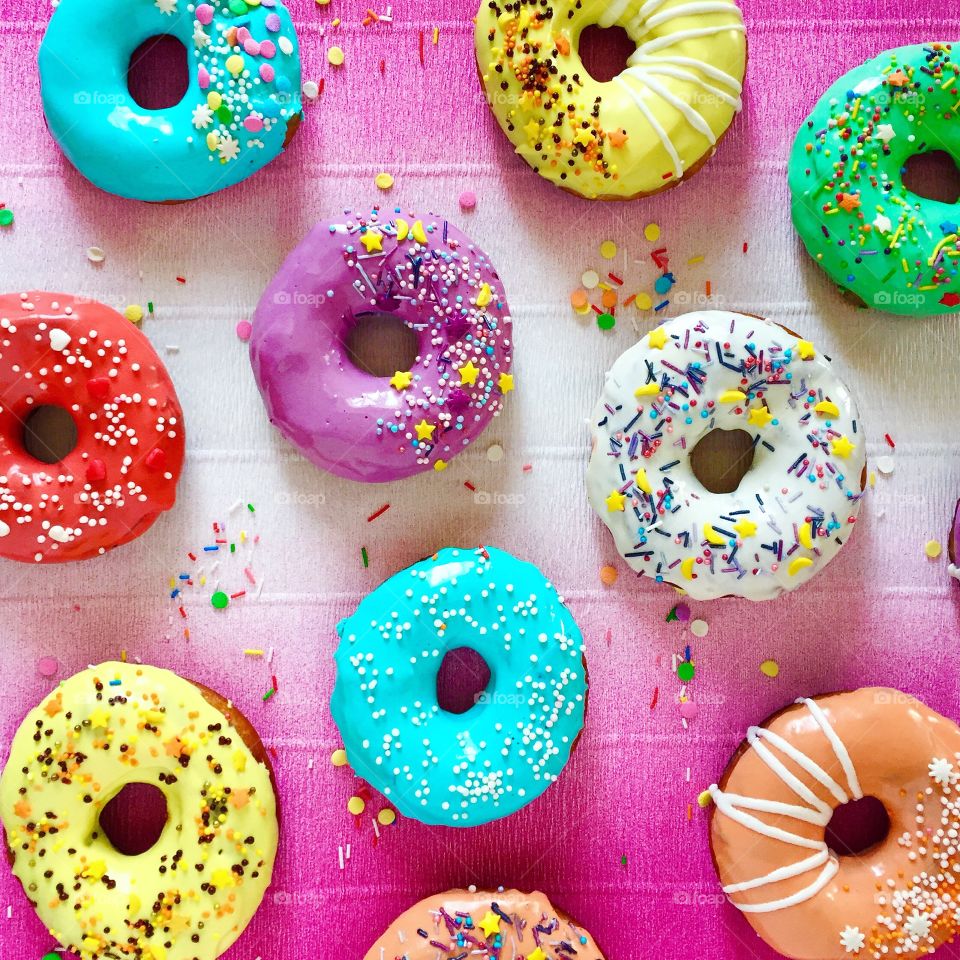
x=893, y=249
x=240, y=110
x=460, y=769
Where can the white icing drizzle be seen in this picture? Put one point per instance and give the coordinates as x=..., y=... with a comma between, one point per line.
x=669, y=146
x=692, y=116
x=652, y=66
x=660, y=43
x=816, y=812
x=613, y=13
x=690, y=10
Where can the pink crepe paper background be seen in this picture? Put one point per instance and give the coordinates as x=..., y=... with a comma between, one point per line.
x=881, y=614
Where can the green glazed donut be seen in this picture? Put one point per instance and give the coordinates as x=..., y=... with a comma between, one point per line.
x=893, y=249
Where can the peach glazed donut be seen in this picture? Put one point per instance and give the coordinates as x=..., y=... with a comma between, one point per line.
x=191, y=894
x=647, y=129
x=83, y=357
x=898, y=898
x=481, y=923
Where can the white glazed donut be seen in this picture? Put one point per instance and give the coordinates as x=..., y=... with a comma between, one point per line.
x=797, y=504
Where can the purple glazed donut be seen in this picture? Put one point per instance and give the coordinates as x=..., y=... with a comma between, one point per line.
x=426, y=273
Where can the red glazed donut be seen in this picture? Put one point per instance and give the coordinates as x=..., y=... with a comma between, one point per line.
x=57, y=350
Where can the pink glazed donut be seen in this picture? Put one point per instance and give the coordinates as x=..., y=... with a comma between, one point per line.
x=435, y=280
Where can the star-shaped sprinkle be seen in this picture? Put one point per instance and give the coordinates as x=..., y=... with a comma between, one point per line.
x=537, y=954
x=806, y=350
x=841, y=446
x=174, y=747
x=425, y=430
x=228, y=148
x=490, y=924
x=167, y=7
x=202, y=116
x=54, y=706
x=849, y=201
x=584, y=137
x=759, y=416
x=898, y=79
x=505, y=383
x=948, y=227
x=239, y=798
x=852, y=939
x=616, y=501
x=468, y=373
x=440, y=465
x=941, y=770
x=22, y=809
x=401, y=380
x=100, y=718
x=200, y=38
x=372, y=240
x=532, y=129
x=657, y=338
x=918, y=925
x=745, y=528
x=883, y=223
x=885, y=132
x=617, y=138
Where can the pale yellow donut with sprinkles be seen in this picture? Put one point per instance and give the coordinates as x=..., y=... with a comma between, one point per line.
x=195, y=890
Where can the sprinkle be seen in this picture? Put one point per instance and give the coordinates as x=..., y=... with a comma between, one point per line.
x=745, y=245
x=386, y=817
x=608, y=249
x=608, y=575
x=310, y=89
x=384, y=181
x=6, y=217
x=468, y=200
x=378, y=513
x=590, y=279
x=336, y=56
x=133, y=312
x=436, y=35
x=268, y=695
x=494, y=453
x=885, y=465
x=244, y=329
x=890, y=442
x=219, y=600
x=250, y=652
x=420, y=45
x=96, y=255
x=770, y=668
x=705, y=799
x=699, y=628
x=933, y=549
x=356, y=805
x=652, y=232
x=655, y=697
x=339, y=758
x=686, y=670
x=364, y=557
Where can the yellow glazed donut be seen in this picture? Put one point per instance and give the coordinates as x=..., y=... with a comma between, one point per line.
x=646, y=129
x=195, y=890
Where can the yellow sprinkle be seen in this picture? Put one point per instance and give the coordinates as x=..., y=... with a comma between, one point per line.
x=239, y=761
x=384, y=180
x=932, y=549
x=873, y=478
x=323, y=3
x=436, y=35
x=386, y=816
x=418, y=233
x=805, y=535
x=697, y=259
x=213, y=141
x=253, y=653
x=732, y=396
x=652, y=232
x=356, y=806
x=440, y=465
x=214, y=100
x=608, y=249
x=798, y=564
x=134, y=313
x=705, y=799
x=335, y=56
x=339, y=758
x=770, y=668
x=235, y=64
x=647, y=390
x=643, y=301
x=335, y=22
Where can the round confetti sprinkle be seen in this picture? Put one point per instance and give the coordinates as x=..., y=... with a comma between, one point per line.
x=384, y=181
x=770, y=668
x=608, y=249
x=134, y=313
x=699, y=628
x=609, y=299
x=705, y=799
x=494, y=453
x=339, y=758
x=48, y=666
x=244, y=329
x=686, y=671
x=652, y=232
x=578, y=299
x=356, y=806
x=590, y=279
x=683, y=612
x=606, y=321
x=885, y=465
x=608, y=576
x=386, y=816
x=52, y=955
x=310, y=89
x=96, y=255
x=219, y=600
x=335, y=56
x=6, y=217
x=932, y=549
x=689, y=710
x=643, y=301
x=468, y=200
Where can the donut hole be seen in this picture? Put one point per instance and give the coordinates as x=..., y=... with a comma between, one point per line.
x=721, y=459
x=857, y=826
x=133, y=819
x=49, y=433
x=933, y=176
x=158, y=74
x=605, y=51
x=381, y=344
x=462, y=680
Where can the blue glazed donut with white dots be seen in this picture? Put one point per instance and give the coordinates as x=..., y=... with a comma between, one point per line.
x=241, y=108
x=465, y=769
